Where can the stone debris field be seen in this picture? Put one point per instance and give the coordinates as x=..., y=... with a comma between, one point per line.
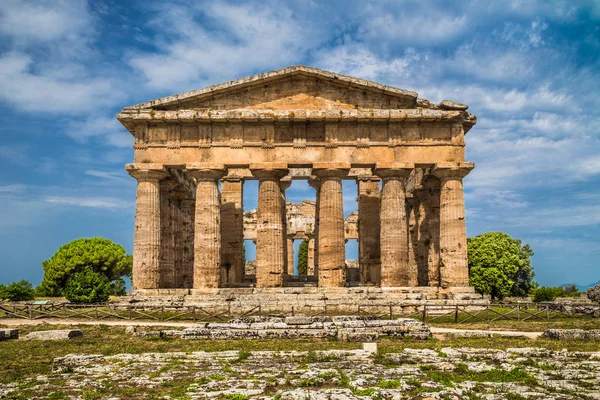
x=452, y=373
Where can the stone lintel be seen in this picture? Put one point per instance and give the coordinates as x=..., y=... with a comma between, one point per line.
x=456, y=170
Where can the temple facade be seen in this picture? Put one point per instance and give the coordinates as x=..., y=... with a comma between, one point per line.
x=194, y=151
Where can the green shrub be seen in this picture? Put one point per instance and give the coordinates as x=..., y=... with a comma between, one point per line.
x=17, y=291
x=87, y=286
x=547, y=293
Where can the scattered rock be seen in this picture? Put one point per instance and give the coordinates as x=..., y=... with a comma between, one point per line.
x=54, y=335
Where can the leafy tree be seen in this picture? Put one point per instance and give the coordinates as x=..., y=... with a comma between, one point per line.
x=303, y=258
x=118, y=287
x=548, y=293
x=17, y=291
x=593, y=293
x=87, y=286
x=97, y=254
x=500, y=265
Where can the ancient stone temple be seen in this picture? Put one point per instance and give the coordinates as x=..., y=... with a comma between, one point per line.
x=194, y=151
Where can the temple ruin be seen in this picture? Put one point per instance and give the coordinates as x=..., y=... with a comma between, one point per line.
x=194, y=151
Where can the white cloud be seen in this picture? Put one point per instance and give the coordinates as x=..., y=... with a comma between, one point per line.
x=108, y=129
x=90, y=202
x=33, y=22
x=249, y=37
x=39, y=93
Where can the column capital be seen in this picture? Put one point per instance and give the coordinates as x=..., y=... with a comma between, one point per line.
x=331, y=170
x=368, y=178
x=285, y=183
x=206, y=171
x=387, y=170
x=452, y=170
x=144, y=172
x=314, y=182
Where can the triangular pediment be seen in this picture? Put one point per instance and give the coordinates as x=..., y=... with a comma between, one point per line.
x=292, y=88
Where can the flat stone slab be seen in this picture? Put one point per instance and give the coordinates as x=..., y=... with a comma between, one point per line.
x=54, y=335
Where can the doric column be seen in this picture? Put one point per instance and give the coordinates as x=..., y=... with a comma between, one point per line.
x=454, y=269
x=188, y=210
x=395, y=271
x=368, y=229
x=146, y=237
x=207, y=224
x=331, y=242
x=311, y=256
x=232, y=230
x=315, y=183
x=271, y=246
x=290, y=255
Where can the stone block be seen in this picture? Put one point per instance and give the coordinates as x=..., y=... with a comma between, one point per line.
x=354, y=336
x=298, y=320
x=371, y=347
x=573, y=334
x=64, y=334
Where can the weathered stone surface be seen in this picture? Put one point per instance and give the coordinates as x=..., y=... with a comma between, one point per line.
x=64, y=334
x=573, y=334
x=331, y=374
x=452, y=105
x=311, y=124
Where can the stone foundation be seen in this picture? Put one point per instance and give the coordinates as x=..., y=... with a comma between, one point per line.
x=343, y=328
x=297, y=299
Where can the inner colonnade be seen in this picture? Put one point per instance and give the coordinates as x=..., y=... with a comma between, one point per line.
x=190, y=229
x=194, y=151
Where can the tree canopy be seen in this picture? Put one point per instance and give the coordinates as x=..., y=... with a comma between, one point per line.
x=303, y=258
x=87, y=286
x=99, y=255
x=500, y=266
x=17, y=291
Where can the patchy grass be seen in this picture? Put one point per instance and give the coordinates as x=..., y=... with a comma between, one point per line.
x=29, y=358
x=530, y=325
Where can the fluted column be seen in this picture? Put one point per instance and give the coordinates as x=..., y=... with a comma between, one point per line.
x=232, y=230
x=146, y=237
x=271, y=246
x=454, y=269
x=369, y=229
x=290, y=255
x=331, y=240
x=188, y=210
x=315, y=183
x=395, y=270
x=207, y=225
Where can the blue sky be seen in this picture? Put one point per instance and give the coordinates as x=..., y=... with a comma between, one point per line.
x=529, y=70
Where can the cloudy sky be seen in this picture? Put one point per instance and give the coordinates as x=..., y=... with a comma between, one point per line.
x=529, y=70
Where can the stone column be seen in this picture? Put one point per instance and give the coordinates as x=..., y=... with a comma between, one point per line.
x=454, y=269
x=232, y=230
x=188, y=206
x=271, y=247
x=331, y=240
x=368, y=230
x=311, y=256
x=146, y=237
x=207, y=224
x=395, y=271
x=315, y=183
x=290, y=255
